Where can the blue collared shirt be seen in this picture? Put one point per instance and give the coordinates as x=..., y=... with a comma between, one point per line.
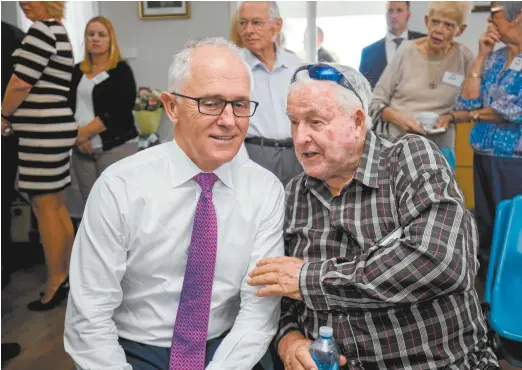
x=501, y=91
x=270, y=90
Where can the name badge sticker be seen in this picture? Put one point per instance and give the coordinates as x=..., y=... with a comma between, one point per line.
x=453, y=79
x=101, y=77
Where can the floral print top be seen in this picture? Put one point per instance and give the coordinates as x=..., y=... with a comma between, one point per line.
x=501, y=91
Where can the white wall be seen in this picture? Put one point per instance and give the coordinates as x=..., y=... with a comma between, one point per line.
x=477, y=24
x=9, y=14
x=154, y=42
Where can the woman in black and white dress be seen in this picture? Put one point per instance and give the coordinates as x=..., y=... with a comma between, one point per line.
x=36, y=110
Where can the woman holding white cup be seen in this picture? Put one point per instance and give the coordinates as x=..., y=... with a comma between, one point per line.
x=421, y=83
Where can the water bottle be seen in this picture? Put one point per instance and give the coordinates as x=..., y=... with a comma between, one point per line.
x=324, y=351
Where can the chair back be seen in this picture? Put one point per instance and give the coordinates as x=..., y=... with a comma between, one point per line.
x=504, y=278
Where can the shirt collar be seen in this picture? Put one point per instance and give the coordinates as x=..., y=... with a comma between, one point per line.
x=282, y=59
x=182, y=169
x=368, y=171
x=390, y=36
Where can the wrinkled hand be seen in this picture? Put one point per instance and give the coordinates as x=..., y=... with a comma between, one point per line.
x=295, y=353
x=279, y=274
x=487, y=40
x=85, y=147
x=7, y=130
x=443, y=121
x=410, y=124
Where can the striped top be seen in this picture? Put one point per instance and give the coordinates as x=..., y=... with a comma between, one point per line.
x=44, y=122
x=410, y=303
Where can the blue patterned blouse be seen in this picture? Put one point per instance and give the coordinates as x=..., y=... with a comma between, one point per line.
x=503, y=93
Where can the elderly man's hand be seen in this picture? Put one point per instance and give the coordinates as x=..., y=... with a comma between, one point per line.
x=279, y=274
x=294, y=350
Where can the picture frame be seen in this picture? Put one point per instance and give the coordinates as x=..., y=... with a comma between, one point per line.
x=481, y=6
x=164, y=9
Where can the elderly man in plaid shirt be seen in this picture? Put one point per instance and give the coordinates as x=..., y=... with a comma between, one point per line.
x=380, y=245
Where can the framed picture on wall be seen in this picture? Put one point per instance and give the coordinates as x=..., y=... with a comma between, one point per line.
x=481, y=6
x=164, y=9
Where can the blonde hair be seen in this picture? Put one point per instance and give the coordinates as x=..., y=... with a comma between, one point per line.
x=235, y=37
x=114, y=50
x=54, y=9
x=455, y=10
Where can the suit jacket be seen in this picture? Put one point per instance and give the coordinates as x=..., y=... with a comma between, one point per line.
x=324, y=55
x=374, y=61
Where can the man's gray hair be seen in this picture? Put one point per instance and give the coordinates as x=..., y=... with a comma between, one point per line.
x=273, y=8
x=179, y=70
x=346, y=97
x=511, y=9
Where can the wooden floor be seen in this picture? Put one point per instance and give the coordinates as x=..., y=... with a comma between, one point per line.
x=41, y=333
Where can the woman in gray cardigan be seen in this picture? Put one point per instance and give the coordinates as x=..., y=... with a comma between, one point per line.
x=425, y=75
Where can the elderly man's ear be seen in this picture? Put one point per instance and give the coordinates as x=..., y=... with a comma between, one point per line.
x=170, y=104
x=360, y=118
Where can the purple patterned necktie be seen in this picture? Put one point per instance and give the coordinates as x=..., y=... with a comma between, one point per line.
x=190, y=330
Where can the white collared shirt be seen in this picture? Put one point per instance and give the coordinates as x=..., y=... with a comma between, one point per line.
x=270, y=90
x=391, y=47
x=130, y=254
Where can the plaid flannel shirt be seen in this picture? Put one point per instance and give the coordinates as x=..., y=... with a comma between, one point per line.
x=410, y=304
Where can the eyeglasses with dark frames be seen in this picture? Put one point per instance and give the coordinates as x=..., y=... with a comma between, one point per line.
x=328, y=73
x=216, y=106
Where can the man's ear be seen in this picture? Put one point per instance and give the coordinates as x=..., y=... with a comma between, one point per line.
x=360, y=118
x=278, y=26
x=170, y=104
x=461, y=30
x=427, y=21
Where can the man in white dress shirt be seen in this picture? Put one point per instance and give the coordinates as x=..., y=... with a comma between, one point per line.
x=269, y=141
x=136, y=249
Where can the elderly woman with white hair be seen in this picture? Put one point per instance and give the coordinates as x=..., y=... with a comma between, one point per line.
x=492, y=97
x=425, y=76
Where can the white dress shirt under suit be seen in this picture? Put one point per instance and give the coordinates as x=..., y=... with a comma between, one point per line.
x=130, y=253
x=391, y=46
x=271, y=90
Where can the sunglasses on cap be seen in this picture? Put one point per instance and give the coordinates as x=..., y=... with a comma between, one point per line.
x=327, y=73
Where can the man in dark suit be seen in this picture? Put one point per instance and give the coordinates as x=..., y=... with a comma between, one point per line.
x=375, y=57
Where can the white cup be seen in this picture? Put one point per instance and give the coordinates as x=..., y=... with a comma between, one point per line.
x=427, y=120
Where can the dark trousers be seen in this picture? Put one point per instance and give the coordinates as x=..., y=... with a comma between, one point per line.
x=495, y=179
x=146, y=357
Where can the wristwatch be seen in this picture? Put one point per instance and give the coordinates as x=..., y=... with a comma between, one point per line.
x=475, y=116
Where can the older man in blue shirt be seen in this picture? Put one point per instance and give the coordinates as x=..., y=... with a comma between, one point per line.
x=269, y=141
